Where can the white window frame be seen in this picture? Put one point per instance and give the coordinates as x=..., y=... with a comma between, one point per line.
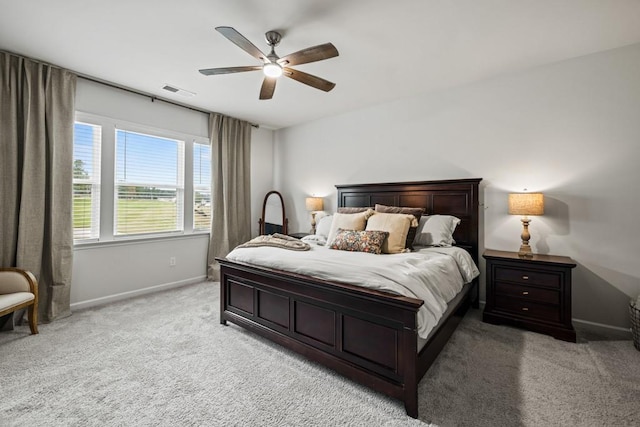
x=94, y=181
x=179, y=186
x=201, y=187
x=108, y=186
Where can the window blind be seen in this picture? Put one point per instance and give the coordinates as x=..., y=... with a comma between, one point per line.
x=149, y=184
x=86, y=181
x=201, y=187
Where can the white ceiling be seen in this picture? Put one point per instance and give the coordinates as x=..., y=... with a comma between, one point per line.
x=388, y=49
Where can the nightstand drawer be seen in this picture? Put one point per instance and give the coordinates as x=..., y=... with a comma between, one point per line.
x=528, y=293
x=527, y=277
x=535, y=310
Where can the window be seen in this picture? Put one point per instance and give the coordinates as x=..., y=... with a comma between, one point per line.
x=135, y=181
x=201, y=187
x=149, y=184
x=86, y=181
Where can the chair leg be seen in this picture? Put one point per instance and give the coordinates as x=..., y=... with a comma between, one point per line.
x=32, y=313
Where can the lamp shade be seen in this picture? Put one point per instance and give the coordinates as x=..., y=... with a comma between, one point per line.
x=314, y=203
x=526, y=203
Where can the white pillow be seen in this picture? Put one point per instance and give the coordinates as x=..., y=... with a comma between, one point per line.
x=355, y=221
x=315, y=239
x=436, y=230
x=324, y=226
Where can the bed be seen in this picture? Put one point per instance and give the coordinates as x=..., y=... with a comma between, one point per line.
x=367, y=335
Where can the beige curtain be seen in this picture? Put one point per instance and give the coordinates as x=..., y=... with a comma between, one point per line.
x=230, y=187
x=36, y=167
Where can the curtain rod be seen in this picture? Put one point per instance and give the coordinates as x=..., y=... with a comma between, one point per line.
x=152, y=97
x=116, y=86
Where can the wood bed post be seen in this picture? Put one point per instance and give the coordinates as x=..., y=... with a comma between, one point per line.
x=411, y=378
x=223, y=296
x=475, y=301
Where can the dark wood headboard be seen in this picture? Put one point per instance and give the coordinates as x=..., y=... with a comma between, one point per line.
x=457, y=197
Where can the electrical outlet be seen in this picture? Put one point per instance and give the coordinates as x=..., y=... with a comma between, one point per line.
x=172, y=261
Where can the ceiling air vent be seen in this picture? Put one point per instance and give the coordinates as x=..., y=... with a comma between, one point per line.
x=178, y=91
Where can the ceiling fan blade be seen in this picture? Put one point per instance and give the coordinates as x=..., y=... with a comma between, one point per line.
x=268, y=86
x=242, y=42
x=229, y=70
x=309, y=79
x=311, y=54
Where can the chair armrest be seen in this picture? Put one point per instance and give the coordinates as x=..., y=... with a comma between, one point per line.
x=17, y=280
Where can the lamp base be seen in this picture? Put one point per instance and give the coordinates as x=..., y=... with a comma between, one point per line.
x=313, y=223
x=525, y=251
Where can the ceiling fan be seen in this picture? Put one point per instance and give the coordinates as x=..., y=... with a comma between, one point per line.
x=273, y=66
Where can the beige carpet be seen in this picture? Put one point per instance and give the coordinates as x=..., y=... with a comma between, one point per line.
x=164, y=360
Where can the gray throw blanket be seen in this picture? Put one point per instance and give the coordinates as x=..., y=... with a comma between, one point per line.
x=278, y=241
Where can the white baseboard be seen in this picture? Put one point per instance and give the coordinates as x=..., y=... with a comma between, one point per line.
x=131, y=294
x=157, y=288
x=601, y=325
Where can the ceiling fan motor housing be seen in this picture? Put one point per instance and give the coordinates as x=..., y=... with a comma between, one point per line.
x=273, y=38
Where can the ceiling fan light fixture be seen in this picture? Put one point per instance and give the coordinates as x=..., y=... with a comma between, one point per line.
x=272, y=69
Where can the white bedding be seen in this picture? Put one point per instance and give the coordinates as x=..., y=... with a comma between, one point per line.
x=434, y=275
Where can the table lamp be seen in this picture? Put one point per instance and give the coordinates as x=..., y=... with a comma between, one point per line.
x=313, y=205
x=526, y=204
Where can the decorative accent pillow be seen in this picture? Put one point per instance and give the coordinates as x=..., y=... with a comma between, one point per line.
x=324, y=226
x=349, y=210
x=353, y=221
x=359, y=241
x=436, y=230
x=397, y=225
x=416, y=212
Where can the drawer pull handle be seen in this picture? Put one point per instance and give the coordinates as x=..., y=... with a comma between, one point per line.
x=525, y=309
x=525, y=277
x=525, y=293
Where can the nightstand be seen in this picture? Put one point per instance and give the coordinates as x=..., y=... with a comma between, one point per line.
x=298, y=235
x=533, y=293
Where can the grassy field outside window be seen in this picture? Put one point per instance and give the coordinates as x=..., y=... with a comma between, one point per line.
x=142, y=216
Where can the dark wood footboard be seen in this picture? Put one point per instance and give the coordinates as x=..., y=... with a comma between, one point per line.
x=366, y=335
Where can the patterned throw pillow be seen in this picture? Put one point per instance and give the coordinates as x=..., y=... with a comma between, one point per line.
x=359, y=241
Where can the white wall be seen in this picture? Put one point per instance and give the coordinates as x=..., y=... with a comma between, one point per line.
x=261, y=172
x=116, y=270
x=106, y=101
x=121, y=270
x=570, y=130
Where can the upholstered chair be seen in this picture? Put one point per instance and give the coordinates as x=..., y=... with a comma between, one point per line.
x=19, y=289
